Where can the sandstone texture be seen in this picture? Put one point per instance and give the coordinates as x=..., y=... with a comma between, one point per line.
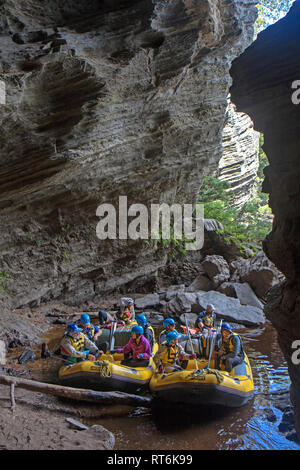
x=264, y=85
x=239, y=163
x=104, y=99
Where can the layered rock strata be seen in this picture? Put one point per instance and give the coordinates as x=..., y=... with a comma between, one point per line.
x=266, y=80
x=104, y=99
x=239, y=163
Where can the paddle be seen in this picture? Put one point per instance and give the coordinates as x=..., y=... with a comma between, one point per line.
x=213, y=344
x=190, y=339
x=112, y=335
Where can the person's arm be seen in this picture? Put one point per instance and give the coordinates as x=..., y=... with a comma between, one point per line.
x=127, y=348
x=98, y=332
x=88, y=344
x=236, y=346
x=159, y=355
x=68, y=348
x=182, y=354
x=199, y=320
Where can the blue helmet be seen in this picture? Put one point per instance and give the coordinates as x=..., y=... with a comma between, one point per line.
x=226, y=326
x=73, y=328
x=137, y=329
x=141, y=319
x=172, y=336
x=168, y=321
x=85, y=319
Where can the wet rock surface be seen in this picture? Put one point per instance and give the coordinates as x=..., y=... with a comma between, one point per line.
x=262, y=87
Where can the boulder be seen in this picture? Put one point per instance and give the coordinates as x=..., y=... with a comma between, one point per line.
x=241, y=291
x=105, y=437
x=216, y=268
x=228, y=289
x=201, y=282
x=231, y=309
x=246, y=295
x=185, y=302
x=173, y=291
x=191, y=318
x=149, y=301
x=259, y=272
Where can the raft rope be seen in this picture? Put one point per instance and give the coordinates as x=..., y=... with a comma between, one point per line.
x=104, y=369
x=198, y=374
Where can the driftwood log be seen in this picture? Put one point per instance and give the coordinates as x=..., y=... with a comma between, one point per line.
x=79, y=394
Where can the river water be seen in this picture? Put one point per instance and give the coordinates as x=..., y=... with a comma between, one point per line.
x=253, y=426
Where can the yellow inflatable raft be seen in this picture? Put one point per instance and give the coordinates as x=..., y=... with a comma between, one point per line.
x=205, y=386
x=108, y=372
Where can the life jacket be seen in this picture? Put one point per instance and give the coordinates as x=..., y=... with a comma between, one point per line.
x=208, y=321
x=228, y=346
x=170, y=355
x=89, y=331
x=76, y=343
x=149, y=327
x=127, y=315
x=160, y=335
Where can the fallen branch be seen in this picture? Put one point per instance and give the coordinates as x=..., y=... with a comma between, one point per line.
x=79, y=394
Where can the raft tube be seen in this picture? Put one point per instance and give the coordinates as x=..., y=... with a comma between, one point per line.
x=107, y=374
x=205, y=387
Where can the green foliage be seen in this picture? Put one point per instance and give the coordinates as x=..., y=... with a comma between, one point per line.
x=247, y=226
x=174, y=246
x=270, y=11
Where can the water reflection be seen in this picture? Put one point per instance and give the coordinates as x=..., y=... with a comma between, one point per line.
x=254, y=426
x=248, y=427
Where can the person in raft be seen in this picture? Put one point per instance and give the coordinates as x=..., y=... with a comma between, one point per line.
x=169, y=325
x=231, y=352
x=206, y=319
x=103, y=318
x=147, y=329
x=127, y=310
x=88, y=329
x=76, y=346
x=170, y=353
x=137, y=351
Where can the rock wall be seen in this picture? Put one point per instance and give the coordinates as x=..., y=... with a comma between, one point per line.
x=123, y=97
x=264, y=77
x=239, y=163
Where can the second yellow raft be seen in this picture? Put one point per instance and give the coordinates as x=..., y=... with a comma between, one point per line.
x=205, y=386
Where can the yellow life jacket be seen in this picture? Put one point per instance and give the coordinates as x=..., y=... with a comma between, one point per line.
x=78, y=343
x=229, y=346
x=170, y=355
x=127, y=315
x=160, y=335
x=89, y=331
x=150, y=328
x=208, y=321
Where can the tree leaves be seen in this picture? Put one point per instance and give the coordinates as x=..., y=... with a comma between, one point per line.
x=270, y=11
